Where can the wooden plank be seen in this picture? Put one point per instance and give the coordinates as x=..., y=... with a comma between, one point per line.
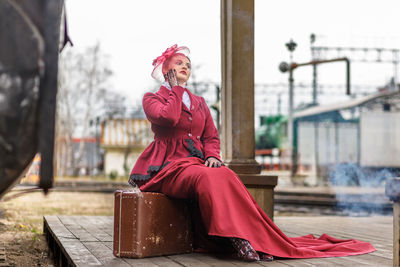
x=69, y=229
x=364, y=234
x=81, y=233
x=164, y=262
x=107, y=224
x=372, y=259
x=243, y=263
x=159, y=261
x=57, y=229
x=212, y=260
x=95, y=224
x=104, y=254
x=79, y=254
x=108, y=219
x=67, y=220
x=336, y=261
x=348, y=224
x=78, y=231
x=146, y=262
x=108, y=244
x=294, y=262
x=274, y=263
x=318, y=228
x=187, y=260
x=70, y=246
x=90, y=225
x=221, y=260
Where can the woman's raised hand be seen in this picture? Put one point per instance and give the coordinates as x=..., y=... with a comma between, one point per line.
x=172, y=78
x=213, y=162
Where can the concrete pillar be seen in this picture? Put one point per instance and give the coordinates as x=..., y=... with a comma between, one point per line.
x=237, y=37
x=392, y=190
x=238, y=141
x=396, y=234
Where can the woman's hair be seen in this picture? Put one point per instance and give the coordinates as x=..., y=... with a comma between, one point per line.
x=166, y=63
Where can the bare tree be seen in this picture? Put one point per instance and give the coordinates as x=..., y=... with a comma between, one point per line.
x=83, y=95
x=114, y=105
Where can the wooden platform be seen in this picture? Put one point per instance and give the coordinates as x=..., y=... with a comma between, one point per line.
x=87, y=241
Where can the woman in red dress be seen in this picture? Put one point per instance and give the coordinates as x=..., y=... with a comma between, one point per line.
x=183, y=162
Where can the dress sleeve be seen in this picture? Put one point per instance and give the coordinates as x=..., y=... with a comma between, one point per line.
x=210, y=137
x=160, y=113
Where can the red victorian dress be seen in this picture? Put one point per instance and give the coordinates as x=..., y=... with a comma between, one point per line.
x=173, y=164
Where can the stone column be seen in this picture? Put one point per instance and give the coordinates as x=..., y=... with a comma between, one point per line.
x=238, y=141
x=238, y=85
x=396, y=233
x=392, y=190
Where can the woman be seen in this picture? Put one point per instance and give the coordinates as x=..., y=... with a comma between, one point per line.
x=183, y=162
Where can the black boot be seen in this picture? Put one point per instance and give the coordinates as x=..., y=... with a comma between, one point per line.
x=245, y=251
x=265, y=257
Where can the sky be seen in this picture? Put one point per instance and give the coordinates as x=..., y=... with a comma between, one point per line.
x=133, y=33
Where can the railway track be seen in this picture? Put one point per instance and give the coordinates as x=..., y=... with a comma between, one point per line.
x=332, y=204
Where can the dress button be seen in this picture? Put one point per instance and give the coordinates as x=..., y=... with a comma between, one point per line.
x=190, y=134
x=190, y=118
x=198, y=137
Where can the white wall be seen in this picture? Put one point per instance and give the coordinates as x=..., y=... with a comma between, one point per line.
x=114, y=161
x=380, y=139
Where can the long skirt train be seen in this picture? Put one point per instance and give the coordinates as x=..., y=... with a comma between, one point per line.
x=228, y=210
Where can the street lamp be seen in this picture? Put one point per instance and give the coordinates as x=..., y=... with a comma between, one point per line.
x=291, y=46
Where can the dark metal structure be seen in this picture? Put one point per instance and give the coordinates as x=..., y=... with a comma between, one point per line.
x=354, y=54
x=29, y=48
x=284, y=67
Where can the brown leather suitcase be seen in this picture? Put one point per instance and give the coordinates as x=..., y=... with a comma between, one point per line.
x=150, y=224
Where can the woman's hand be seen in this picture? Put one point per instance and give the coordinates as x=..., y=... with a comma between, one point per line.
x=213, y=162
x=172, y=78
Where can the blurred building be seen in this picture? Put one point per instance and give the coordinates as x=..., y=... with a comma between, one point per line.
x=361, y=133
x=66, y=152
x=33, y=173
x=123, y=140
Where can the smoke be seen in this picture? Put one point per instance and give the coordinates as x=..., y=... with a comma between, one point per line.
x=362, y=191
x=350, y=174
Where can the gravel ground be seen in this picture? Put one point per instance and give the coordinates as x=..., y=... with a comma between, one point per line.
x=21, y=222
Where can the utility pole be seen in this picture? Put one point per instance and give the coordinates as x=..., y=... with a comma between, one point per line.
x=279, y=103
x=314, y=81
x=284, y=67
x=316, y=122
x=291, y=46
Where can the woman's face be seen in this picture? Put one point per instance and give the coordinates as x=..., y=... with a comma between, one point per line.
x=182, y=65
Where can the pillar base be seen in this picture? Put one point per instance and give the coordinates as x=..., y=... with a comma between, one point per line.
x=249, y=166
x=261, y=187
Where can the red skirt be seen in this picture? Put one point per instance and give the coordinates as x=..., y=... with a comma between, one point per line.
x=228, y=210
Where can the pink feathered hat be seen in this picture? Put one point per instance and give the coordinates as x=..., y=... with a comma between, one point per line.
x=159, y=61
